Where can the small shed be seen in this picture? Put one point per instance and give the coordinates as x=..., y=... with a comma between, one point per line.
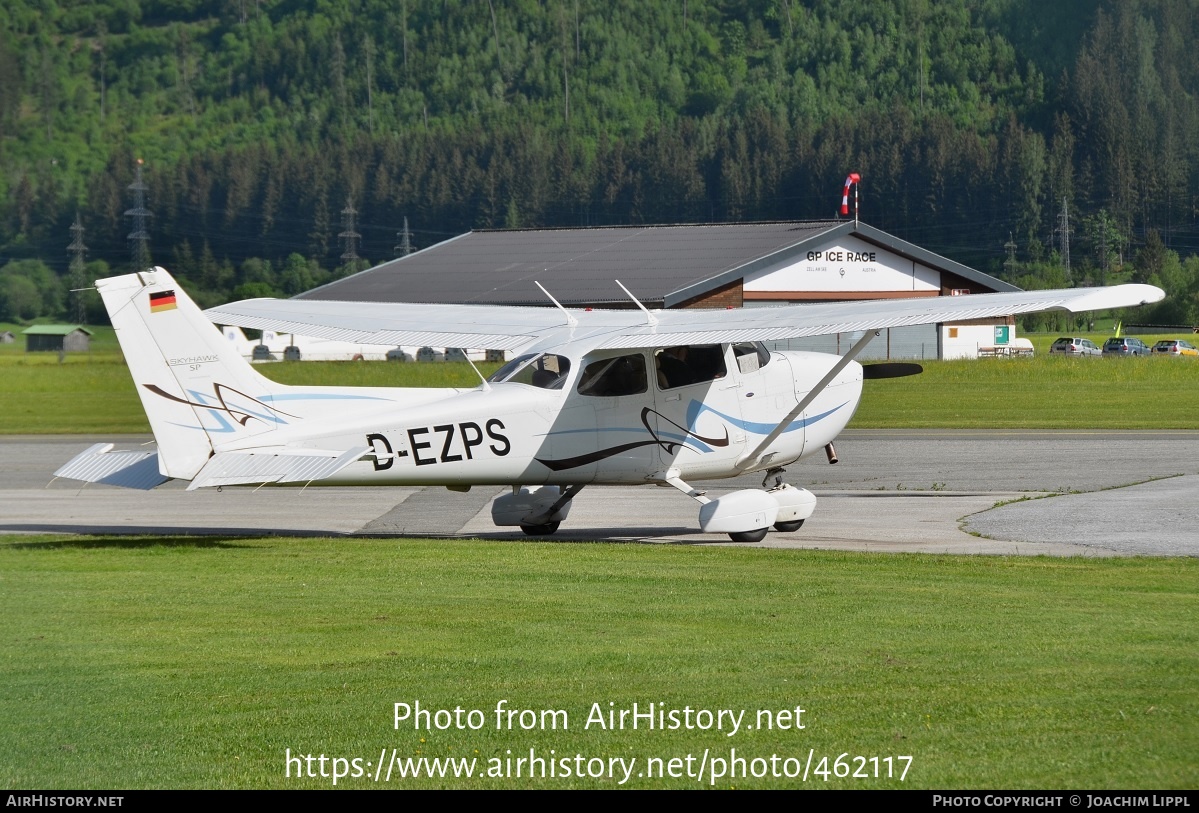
x=57, y=338
x=7, y=337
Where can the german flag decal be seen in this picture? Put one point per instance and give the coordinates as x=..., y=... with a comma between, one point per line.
x=162, y=301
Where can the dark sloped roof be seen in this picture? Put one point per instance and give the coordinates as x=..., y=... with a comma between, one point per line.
x=661, y=265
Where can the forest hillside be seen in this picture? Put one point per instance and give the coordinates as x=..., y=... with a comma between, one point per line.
x=985, y=130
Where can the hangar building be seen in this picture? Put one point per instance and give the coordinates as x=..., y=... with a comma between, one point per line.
x=697, y=266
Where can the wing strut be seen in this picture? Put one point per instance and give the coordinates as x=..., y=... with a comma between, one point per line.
x=750, y=460
x=486, y=386
x=570, y=320
x=650, y=319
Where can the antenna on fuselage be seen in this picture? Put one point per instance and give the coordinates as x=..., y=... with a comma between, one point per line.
x=653, y=320
x=570, y=320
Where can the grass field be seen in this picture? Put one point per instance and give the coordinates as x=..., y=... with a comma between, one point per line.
x=199, y=662
x=132, y=662
x=1042, y=393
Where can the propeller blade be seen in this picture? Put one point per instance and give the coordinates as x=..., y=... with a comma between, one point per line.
x=890, y=370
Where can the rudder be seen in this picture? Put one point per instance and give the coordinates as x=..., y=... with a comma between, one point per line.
x=196, y=388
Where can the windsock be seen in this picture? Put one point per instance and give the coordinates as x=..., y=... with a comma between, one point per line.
x=849, y=181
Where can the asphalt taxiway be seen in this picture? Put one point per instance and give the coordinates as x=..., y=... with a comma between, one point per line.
x=1101, y=493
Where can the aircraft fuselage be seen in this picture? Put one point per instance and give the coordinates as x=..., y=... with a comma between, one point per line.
x=518, y=433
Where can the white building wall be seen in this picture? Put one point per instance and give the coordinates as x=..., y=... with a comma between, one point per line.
x=852, y=267
x=963, y=341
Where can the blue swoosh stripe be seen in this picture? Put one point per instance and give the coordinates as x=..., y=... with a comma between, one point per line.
x=320, y=397
x=697, y=408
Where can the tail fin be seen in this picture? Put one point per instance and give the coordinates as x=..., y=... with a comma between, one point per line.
x=237, y=338
x=195, y=386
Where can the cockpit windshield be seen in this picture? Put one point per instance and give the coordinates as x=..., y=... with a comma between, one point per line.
x=545, y=371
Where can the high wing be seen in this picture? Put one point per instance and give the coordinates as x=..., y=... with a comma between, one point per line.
x=482, y=327
x=518, y=328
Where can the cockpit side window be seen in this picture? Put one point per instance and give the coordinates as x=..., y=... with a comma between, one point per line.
x=689, y=364
x=623, y=375
x=751, y=356
x=545, y=371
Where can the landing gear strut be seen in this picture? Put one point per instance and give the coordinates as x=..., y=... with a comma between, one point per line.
x=777, y=473
x=744, y=515
x=747, y=515
x=783, y=523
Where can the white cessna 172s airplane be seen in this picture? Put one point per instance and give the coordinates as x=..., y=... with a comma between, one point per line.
x=591, y=397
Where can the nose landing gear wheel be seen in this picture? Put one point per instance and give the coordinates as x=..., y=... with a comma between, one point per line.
x=749, y=536
x=788, y=527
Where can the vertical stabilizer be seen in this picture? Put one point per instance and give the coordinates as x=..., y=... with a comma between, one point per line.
x=195, y=386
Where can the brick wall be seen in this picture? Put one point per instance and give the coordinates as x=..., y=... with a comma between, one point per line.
x=727, y=296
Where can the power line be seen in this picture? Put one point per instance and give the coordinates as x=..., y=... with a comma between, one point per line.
x=1063, y=231
x=348, y=234
x=77, y=272
x=404, y=247
x=139, y=238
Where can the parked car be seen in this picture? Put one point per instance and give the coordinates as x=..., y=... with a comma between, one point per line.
x=1075, y=347
x=1127, y=346
x=1175, y=347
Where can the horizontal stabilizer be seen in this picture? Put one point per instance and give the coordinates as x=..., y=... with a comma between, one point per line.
x=257, y=468
x=99, y=464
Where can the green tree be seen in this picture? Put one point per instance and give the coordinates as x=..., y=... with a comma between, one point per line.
x=29, y=289
x=19, y=299
x=1151, y=258
x=299, y=274
x=254, y=290
x=1104, y=242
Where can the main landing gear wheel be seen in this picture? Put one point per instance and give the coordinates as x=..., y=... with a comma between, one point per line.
x=788, y=527
x=749, y=536
x=540, y=530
